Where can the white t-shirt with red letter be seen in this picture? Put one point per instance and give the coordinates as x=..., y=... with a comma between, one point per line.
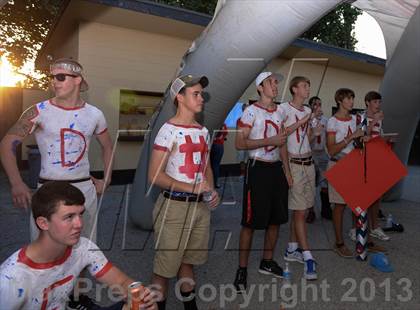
x=341, y=128
x=188, y=148
x=264, y=123
x=25, y=284
x=297, y=141
x=63, y=137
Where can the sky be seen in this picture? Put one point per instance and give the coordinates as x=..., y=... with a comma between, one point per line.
x=370, y=37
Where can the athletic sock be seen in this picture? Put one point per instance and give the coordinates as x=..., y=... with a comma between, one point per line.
x=307, y=255
x=292, y=247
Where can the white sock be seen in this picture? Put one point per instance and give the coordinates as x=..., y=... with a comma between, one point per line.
x=307, y=255
x=292, y=247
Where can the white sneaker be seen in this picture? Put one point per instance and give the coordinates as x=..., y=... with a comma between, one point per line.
x=352, y=234
x=379, y=234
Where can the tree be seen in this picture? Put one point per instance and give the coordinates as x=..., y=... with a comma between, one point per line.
x=202, y=6
x=24, y=25
x=336, y=28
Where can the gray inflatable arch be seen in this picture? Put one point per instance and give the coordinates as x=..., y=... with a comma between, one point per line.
x=240, y=41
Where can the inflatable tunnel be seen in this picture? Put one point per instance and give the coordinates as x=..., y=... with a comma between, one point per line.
x=242, y=39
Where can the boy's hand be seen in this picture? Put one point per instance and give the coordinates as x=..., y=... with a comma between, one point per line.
x=358, y=133
x=21, y=195
x=289, y=179
x=100, y=185
x=305, y=119
x=215, y=200
x=149, y=300
x=379, y=116
x=202, y=187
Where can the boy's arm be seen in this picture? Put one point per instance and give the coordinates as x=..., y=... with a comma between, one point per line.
x=242, y=142
x=335, y=148
x=116, y=278
x=105, y=141
x=285, y=160
x=21, y=194
x=157, y=175
x=291, y=129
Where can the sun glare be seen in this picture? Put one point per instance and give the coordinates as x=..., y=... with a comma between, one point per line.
x=8, y=76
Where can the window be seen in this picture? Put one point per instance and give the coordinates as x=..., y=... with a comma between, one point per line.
x=136, y=109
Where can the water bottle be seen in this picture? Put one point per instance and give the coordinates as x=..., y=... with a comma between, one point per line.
x=389, y=221
x=207, y=197
x=287, y=275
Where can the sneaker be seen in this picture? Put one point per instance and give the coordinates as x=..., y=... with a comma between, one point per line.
x=309, y=271
x=240, y=280
x=270, y=267
x=352, y=234
x=343, y=251
x=378, y=233
x=295, y=256
x=82, y=303
x=374, y=248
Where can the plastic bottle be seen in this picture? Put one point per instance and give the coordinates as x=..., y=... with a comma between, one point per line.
x=389, y=221
x=287, y=275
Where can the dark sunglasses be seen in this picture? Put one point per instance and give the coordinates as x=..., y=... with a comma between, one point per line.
x=61, y=76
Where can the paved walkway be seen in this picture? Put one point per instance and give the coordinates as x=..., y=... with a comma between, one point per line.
x=342, y=283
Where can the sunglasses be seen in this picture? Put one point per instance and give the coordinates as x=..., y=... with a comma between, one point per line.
x=61, y=76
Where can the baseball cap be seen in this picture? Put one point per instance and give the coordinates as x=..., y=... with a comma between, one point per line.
x=72, y=66
x=187, y=81
x=381, y=262
x=263, y=75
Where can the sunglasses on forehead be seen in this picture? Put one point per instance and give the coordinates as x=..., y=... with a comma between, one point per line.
x=61, y=76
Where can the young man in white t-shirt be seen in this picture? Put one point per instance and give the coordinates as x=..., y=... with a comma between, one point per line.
x=180, y=166
x=341, y=132
x=261, y=132
x=375, y=117
x=320, y=157
x=63, y=127
x=43, y=274
x=302, y=191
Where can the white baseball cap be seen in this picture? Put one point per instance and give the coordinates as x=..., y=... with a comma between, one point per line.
x=263, y=75
x=187, y=81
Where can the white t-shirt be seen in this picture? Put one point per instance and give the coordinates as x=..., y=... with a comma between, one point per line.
x=341, y=128
x=188, y=148
x=63, y=137
x=297, y=141
x=377, y=128
x=319, y=142
x=264, y=123
x=25, y=284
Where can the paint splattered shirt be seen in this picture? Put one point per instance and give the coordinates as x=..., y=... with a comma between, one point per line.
x=25, y=284
x=63, y=137
x=297, y=141
x=264, y=123
x=188, y=148
x=319, y=143
x=341, y=128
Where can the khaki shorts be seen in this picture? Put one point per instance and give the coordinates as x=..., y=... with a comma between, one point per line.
x=181, y=231
x=333, y=195
x=302, y=192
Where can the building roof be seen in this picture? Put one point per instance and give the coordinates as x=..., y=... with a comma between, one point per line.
x=180, y=14
x=200, y=19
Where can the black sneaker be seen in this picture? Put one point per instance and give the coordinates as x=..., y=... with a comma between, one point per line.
x=82, y=303
x=240, y=280
x=270, y=267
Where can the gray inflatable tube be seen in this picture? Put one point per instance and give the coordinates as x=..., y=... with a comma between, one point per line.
x=243, y=37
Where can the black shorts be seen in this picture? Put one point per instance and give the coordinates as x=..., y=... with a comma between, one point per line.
x=265, y=195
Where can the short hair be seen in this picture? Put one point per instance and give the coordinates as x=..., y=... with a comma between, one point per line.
x=342, y=93
x=372, y=95
x=312, y=100
x=296, y=80
x=182, y=92
x=47, y=198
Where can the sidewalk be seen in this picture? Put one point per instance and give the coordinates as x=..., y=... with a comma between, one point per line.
x=342, y=283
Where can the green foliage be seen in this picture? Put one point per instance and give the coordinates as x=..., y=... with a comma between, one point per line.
x=24, y=25
x=202, y=6
x=336, y=28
